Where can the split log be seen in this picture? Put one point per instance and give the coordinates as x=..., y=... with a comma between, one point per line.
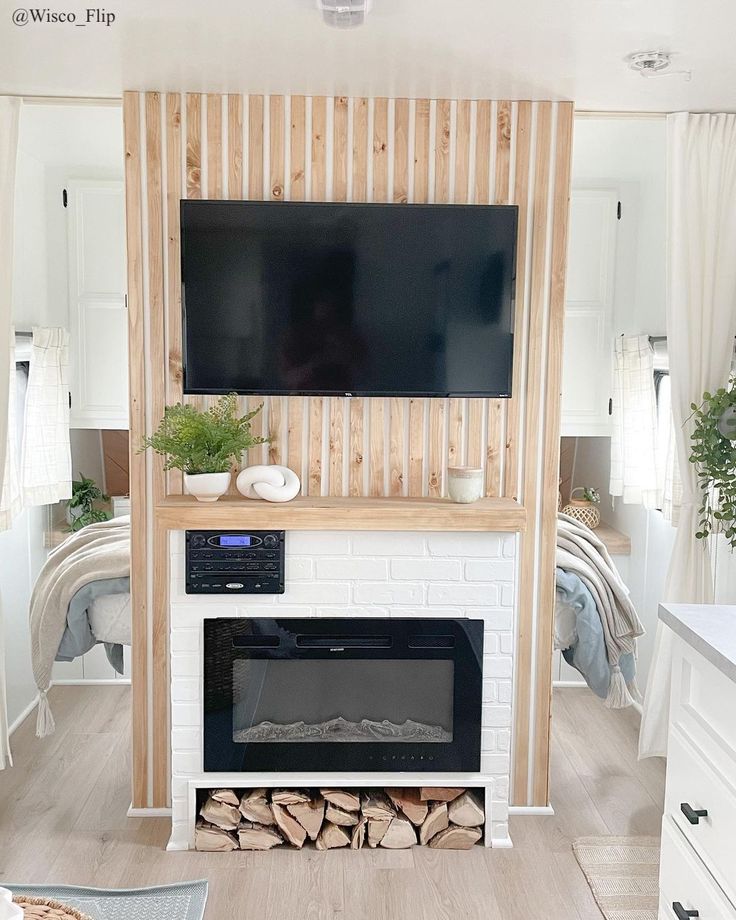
x=376, y=804
x=289, y=827
x=254, y=807
x=288, y=797
x=225, y=816
x=309, y=814
x=435, y=822
x=466, y=811
x=408, y=801
x=343, y=798
x=358, y=838
x=439, y=793
x=227, y=796
x=376, y=830
x=211, y=839
x=400, y=835
x=253, y=836
x=340, y=816
x=455, y=838
x=331, y=836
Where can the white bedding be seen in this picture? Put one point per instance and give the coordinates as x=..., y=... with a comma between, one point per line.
x=110, y=618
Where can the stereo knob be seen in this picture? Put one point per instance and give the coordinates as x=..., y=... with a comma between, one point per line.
x=270, y=540
x=198, y=540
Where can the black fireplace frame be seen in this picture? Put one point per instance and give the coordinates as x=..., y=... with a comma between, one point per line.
x=227, y=640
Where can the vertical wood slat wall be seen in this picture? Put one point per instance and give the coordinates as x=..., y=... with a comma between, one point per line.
x=354, y=149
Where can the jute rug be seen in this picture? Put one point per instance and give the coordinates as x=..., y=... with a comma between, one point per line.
x=185, y=901
x=623, y=874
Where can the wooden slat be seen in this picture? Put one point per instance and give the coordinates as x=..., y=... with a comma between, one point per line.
x=377, y=451
x=551, y=454
x=336, y=444
x=346, y=513
x=416, y=446
x=298, y=148
x=380, y=150
x=455, y=412
x=356, y=460
x=255, y=147
x=340, y=149
x=360, y=149
x=319, y=149
x=463, y=192
x=521, y=198
x=137, y=404
x=436, y=456
x=276, y=147
x=235, y=146
x=157, y=389
x=494, y=446
x=475, y=431
x=214, y=146
x=532, y=444
x=316, y=411
x=421, y=150
x=174, y=391
x=256, y=454
x=482, y=151
x=442, y=152
x=401, y=151
x=503, y=152
x=295, y=431
x=277, y=413
x=396, y=447
x=194, y=146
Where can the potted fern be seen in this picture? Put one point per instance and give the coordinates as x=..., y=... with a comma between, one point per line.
x=204, y=445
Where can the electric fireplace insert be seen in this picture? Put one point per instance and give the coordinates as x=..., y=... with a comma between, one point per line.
x=342, y=694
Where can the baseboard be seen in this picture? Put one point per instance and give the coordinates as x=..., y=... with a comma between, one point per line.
x=23, y=716
x=569, y=685
x=148, y=812
x=528, y=810
x=92, y=682
x=501, y=843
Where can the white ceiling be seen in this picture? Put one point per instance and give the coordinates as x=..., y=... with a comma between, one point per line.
x=558, y=49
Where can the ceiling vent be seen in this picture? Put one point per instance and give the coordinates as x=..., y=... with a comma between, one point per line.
x=655, y=64
x=344, y=14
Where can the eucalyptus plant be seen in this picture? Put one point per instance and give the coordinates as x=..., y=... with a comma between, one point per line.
x=714, y=456
x=207, y=441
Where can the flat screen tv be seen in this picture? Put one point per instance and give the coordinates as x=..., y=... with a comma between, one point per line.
x=352, y=299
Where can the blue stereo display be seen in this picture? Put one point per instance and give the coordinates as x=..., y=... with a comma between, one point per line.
x=234, y=540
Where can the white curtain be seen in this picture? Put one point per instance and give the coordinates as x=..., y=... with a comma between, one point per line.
x=46, y=464
x=11, y=500
x=701, y=325
x=634, y=423
x=9, y=112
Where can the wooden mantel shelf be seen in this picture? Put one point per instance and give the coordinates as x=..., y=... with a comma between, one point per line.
x=182, y=512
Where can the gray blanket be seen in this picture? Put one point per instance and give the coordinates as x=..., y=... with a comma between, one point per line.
x=78, y=637
x=587, y=649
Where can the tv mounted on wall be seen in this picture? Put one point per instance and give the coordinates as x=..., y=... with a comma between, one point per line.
x=348, y=299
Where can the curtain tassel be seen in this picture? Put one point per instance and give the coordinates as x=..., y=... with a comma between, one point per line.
x=45, y=724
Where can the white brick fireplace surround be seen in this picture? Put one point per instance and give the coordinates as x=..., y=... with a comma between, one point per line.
x=357, y=574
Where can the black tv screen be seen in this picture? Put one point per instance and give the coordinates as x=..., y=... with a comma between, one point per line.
x=358, y=299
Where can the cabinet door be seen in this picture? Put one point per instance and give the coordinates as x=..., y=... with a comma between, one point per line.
x=97, y=304
x=586, y=372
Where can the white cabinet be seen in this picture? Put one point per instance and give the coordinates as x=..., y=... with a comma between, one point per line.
x=587, y=358
x=97, y=304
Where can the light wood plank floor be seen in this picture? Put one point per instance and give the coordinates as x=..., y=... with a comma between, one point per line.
x=63, y=820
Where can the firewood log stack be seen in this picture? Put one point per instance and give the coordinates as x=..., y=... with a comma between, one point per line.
x=395, y=818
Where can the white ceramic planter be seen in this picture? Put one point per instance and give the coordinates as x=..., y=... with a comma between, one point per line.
x=206, y=487
x=8, y=910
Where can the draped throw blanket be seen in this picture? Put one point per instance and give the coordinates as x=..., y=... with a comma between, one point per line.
x=96, y=552
x=46, y=465
x=582, y=553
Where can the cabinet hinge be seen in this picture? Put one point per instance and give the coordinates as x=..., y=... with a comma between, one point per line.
x=70, y=399
x=618, y=211
x=610, y=406
x=64, y=197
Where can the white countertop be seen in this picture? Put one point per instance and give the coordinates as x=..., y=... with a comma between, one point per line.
x=708, y=628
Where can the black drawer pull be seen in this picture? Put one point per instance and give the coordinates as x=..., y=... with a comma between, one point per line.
x=681, y=913
x=693, y=815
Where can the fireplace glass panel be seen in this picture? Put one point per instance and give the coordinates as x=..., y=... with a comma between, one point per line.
x=351, y=701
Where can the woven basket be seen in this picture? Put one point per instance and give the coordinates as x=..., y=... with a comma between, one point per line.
x=47, y=909
x=584, y=511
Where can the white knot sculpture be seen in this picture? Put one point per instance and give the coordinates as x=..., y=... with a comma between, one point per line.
x=274, y=483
